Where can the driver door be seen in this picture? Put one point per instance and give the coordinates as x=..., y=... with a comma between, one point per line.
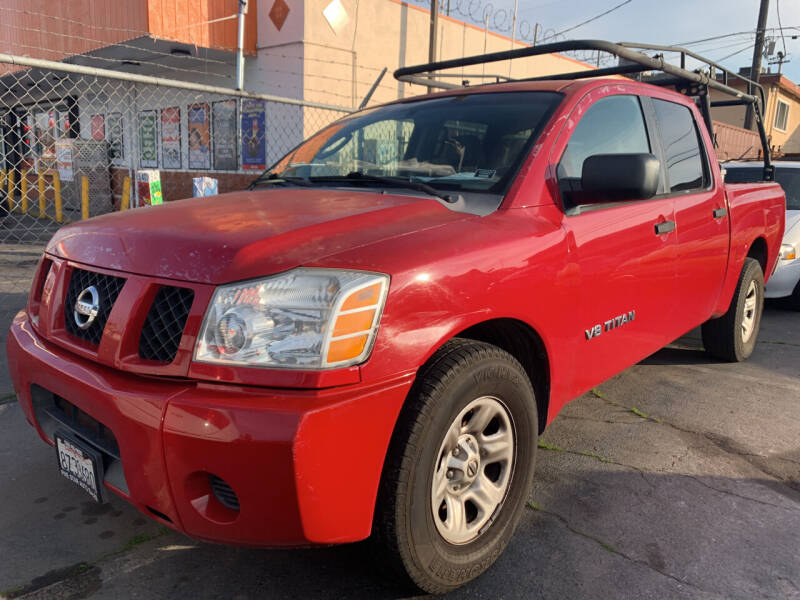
x=624, y=252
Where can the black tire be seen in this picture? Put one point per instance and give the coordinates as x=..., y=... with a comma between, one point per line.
x=404, y=532
x=723, y=337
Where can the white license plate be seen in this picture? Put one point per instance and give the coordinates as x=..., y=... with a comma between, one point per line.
x=79, y=464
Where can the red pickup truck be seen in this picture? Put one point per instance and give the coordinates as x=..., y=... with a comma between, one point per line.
x=371, y=339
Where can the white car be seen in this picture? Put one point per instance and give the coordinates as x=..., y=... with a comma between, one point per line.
x=785, y=282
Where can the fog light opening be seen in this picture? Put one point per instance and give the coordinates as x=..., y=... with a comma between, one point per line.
x=223, y=492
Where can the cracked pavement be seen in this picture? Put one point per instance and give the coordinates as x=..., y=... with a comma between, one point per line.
x=678, y=478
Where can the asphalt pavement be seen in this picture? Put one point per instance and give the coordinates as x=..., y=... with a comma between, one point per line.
x=678, y=478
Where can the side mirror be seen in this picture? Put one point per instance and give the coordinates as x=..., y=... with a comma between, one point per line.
x=615, y=177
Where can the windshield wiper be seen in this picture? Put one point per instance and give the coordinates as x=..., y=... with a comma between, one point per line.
x=275, y=179
x=403, y=182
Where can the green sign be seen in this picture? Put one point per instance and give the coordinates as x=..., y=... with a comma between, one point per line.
x=148, y=145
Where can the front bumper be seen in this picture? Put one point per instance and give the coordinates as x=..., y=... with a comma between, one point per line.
x=304, y=464
x=784, y=280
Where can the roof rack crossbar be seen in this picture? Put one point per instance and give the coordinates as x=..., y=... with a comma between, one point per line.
x=618, y=70
x=687, y=82
x=721, y=103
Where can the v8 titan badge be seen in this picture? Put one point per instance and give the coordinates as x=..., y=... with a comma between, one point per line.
x=617, y=321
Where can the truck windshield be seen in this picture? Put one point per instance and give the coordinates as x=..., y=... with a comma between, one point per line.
x=788, y=177
x=473, y=142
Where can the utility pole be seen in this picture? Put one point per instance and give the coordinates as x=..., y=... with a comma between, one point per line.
x=240, y=50
x=433, y=34
x=755, y=68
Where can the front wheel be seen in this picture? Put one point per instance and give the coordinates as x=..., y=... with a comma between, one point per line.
x=732, y=336
x=459, y=468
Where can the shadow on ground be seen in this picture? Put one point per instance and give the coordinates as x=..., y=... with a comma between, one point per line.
x=610, y=533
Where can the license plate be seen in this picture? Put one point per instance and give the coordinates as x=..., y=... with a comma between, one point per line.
x=80, y=464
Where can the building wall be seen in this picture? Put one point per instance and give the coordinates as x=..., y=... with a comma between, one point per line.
x=55, y=29
x=775, y=87
x=340, y=65
x=52, y=30
x=188, y=21
x=789, y=138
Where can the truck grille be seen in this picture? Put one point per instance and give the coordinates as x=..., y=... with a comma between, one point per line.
x=108, y=288
x=163, y=327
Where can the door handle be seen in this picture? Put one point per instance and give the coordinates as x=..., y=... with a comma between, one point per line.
x=720, y=212
x=665, y=227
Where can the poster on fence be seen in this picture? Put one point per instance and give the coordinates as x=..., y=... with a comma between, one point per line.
x=64, y=160
x=199, y=137
x=116, y=140
x=98, y=127
x=148, y=144
x=254, y=151
x=225, y=138
x=171, y=138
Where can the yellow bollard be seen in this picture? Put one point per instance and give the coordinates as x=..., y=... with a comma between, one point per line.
x=125, y=201
x=24, y=185
x=42, y=197
x=84, y=197
x=57, y=193
x=10, y=195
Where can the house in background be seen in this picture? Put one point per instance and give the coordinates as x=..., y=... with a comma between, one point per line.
x=781, y=115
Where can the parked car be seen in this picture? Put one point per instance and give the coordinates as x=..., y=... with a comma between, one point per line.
x=370, y=341
x=785, y=281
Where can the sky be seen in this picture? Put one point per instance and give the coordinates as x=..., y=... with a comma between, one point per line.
x=659, y=22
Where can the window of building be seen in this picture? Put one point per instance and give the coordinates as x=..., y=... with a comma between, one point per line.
x=782, y=115
x=683, y=149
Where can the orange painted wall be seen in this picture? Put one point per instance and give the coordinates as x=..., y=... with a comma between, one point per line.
x=55, y=29
x=186, y=21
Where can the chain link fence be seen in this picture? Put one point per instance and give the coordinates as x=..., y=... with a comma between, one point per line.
x=77, y=142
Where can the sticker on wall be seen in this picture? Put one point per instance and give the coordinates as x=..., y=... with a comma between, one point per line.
x=254, y=153
x=336, y=16
x=199, y=137
x=171, y=138
x=224, y=127
x=148, y=144
x=278, y=13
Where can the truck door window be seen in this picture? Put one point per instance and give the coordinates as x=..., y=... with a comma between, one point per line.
x=683, y=150
x=612, y=125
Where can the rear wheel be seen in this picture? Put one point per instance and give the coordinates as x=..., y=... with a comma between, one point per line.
x=459, y=469
x=732, y=336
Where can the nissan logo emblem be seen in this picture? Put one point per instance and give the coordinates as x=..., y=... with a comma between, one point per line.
x=86, y=307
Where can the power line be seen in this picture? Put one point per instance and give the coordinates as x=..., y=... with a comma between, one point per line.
x=737, y=52
x=724, y=35
x=780, y=25
x=587, y=21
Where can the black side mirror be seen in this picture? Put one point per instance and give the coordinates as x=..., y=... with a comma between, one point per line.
x=615, y=177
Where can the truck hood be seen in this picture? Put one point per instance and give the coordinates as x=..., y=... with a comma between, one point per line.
x=243, y=235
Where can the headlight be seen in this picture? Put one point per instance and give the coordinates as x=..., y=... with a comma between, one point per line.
x=303, y=319
x=788, y=252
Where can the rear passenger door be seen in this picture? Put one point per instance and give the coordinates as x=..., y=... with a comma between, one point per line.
x=700, y=214
x=626, y=264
